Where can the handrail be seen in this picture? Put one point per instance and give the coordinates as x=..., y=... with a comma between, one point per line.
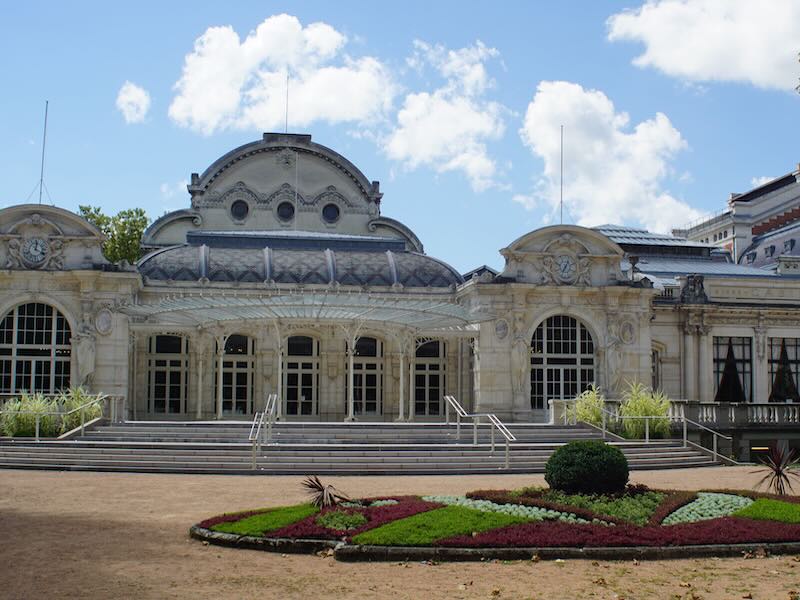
x=494, y=422
x=257, y=429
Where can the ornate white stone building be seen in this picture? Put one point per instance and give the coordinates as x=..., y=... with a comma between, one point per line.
x=283, y=276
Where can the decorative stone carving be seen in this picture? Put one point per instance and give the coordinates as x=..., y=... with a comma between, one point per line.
x=286, y=159
x=520, y=355
x=612, y=354
x=627, y=332
x=761, y=338
x=331, y=194
x=693, y=292
x=104, y=321
x=35, y=253
x=501, y=329
x=86, y=353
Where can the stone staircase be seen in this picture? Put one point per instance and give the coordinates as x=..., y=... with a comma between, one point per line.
x=321, y=448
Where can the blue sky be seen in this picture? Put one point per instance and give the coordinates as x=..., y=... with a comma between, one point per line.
x=454, y=106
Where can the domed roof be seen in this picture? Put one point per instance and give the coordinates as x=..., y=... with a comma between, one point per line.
x=297, y=266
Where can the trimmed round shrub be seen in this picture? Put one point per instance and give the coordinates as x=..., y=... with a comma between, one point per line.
x=587, y=467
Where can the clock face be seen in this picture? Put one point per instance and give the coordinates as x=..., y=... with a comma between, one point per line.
x=567, y=269
x=34, y=250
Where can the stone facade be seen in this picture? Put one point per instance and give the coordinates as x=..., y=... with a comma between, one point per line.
x=259, y=276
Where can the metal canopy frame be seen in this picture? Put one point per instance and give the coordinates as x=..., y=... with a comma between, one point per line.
x=435, y=315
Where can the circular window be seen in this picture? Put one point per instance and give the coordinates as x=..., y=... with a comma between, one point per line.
x=285, y=211
x=330, y=213
x=239, y=210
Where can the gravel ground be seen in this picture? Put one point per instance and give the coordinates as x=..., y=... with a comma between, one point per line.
x=100, y=535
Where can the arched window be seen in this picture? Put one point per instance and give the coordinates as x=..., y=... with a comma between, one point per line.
x=367, y=377
x=562, y=360
x=429, y=378
x=168, y=373
x=238, y=366
x=35, y=350
x=301, y=376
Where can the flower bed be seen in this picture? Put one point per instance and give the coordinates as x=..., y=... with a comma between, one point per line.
x=708, y=506
x=533, y=513
x=376, y=516
x=635, y=505
x=728, y=530
x=496, y=519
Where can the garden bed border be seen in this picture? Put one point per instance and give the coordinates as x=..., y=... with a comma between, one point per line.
x=357, y=553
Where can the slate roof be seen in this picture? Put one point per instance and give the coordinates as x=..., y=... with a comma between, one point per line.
x=297, y=266
x=623, y=235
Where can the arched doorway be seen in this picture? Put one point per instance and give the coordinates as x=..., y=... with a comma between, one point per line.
x=429, y=378
x=238, y=367
x=301, y=376
x=562, y=361
x=35, y=350
x=168, y=374
x=367, y=377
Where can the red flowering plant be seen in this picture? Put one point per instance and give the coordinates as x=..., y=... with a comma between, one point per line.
x=230, y=517
x=309, y=528
x=554, y=534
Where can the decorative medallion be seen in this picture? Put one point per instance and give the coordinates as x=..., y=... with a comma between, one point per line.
x=627, y=332
x=501, y=329
x=104, y=321
x=286, y=159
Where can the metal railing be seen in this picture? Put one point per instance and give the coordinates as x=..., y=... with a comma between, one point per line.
x=258, y=429
x=494, y=423
x=110, y=408
x=715, y=436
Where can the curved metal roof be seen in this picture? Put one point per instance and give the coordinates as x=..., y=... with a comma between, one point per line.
x=297, y=266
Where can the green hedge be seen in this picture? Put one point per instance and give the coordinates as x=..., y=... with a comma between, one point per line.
x=587, y=467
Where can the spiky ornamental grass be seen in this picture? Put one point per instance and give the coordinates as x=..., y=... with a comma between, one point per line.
x=322, y=495
x=589, y=406
x=779, y=465
x=638, y=400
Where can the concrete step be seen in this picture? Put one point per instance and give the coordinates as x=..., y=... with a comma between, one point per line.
x=324, y=448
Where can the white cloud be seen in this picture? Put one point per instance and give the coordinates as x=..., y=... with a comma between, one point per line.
x=613, y=173
x=169, y=190
x=759, y=181
x=229, y=83
x=133, y=102
x=447, y=129
x=716, y=40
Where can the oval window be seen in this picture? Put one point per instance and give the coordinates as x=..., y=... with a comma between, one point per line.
x=239, y=210
x=285, y=211
x=330, y=213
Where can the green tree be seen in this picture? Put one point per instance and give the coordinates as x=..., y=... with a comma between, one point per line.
x=123, y=231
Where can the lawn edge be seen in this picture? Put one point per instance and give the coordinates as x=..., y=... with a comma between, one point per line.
x=356, y=553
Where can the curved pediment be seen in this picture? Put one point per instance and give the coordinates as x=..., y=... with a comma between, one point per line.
x=33, y=236
x=563, y=255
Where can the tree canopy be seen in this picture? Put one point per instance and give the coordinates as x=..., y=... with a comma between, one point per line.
x=123, y=231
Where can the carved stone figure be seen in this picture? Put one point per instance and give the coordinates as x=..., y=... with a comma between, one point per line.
x=694, y=292
x=86, y=353
x=520, y=355
x=611, y=351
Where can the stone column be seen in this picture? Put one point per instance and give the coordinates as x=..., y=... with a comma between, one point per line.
x=705, y=374
x=200, y=375
x=688, y=362
x=351, y=350
x=142, y=385
x=411, y=369
x=401, y=408
x=220, y=358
